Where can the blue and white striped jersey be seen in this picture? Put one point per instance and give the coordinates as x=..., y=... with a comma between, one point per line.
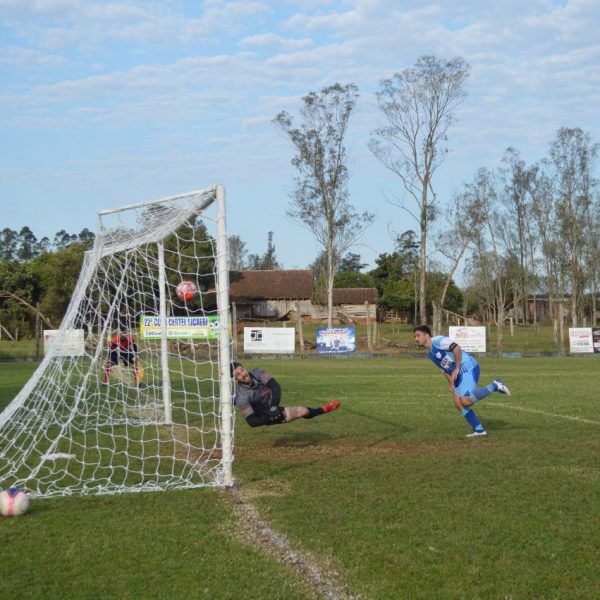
x=441, y=354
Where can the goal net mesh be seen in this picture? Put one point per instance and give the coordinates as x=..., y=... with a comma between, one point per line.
x=134, y=392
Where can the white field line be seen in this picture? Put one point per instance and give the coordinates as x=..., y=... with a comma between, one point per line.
x=252, y=529
x=542, y=412
x=417, y=399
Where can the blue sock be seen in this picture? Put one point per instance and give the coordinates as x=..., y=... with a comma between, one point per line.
x=472, y=419
x=481, y=393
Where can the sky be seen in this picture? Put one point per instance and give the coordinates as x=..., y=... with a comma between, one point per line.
x=104, y=104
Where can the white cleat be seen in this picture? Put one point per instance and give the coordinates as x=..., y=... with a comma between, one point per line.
x=502, y=387
x=477, y=434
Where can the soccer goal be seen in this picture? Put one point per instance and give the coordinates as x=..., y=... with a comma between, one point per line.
x=134, y=393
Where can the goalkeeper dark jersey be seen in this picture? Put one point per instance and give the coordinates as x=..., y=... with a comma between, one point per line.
x=259, y=395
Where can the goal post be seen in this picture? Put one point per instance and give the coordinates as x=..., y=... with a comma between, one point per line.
x=140, y=398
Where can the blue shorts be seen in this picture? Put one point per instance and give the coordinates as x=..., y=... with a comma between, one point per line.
x=466, y=383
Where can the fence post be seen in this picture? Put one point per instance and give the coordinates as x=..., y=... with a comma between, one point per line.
x=37, y=330
x=376, y=331
x=300, y=332
x=561, y=325
x=369, y=342
x=234, y=328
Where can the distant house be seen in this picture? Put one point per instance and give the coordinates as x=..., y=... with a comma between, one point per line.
x=271, y=294
x=279, y=293
x=348, y=303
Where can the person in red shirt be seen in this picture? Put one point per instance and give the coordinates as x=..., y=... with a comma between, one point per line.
x=123, y=349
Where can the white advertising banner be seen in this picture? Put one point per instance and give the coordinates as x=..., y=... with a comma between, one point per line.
x=272, y=340
x=470, y=339
x=72, y=342
x=580, y=340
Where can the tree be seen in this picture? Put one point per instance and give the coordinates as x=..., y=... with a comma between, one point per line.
x=418, y=105
x=394, y=274
x=42, y=246
x=543, y=210
x=353, y=279
x=269, y=259
x=518, y=186
x=571, y=160
x=254, y=262
x=87, y=238
x=319, y=267
x=56, y=275
x=237, y=253
x=8, y=244
x=467, y=214
x=351, y=262
x=62, y=239
x=27, y=243
x=489, y=269
x=320, y=199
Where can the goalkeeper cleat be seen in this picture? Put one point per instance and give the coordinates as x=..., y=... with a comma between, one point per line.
x=501, y=387
x=331, y=406
x=477, y=434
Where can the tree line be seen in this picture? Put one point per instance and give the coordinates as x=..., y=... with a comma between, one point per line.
x=38, y=275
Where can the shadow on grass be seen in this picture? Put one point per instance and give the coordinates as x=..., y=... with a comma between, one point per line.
x=395, y=424
x=302, y=439
x=498, y=424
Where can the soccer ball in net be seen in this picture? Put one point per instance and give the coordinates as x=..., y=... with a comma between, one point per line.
x=186, y=290
x=14, y=502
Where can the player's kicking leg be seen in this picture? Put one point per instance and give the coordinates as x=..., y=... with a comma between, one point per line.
x=304, y=412
x=464, y=395
x=469, y=394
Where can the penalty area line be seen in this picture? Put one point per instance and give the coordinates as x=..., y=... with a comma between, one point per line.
x=252, y=529
x=542, y=412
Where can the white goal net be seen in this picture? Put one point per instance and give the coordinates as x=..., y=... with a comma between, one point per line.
x=134, y=393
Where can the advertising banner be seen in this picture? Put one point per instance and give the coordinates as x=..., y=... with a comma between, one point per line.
x=194, y=328
x=580, y=340
x=470, y=339
x=71, y=344
x=273, y=340
x=336, y=339
x=596, y=339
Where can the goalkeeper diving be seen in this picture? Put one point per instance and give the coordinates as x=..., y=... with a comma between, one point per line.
x=258, y=395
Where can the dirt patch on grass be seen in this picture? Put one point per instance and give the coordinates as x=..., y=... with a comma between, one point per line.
x=344, y=449
x=251, y=529
x=266, y=487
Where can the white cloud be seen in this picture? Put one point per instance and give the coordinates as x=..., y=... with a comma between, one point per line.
x=272, y=40
x=61, y=23
x=27, y=58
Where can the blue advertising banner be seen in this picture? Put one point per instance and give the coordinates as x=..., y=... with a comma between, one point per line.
x=336, y=339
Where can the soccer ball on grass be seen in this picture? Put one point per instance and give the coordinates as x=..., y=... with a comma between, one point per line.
x=14, y=502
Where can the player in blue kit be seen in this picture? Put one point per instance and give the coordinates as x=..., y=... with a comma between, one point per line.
x=462, y=372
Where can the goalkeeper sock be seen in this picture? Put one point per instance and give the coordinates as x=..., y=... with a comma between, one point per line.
x=327, y=407
x=313, y=412
x=472, y=419
x=481, y=393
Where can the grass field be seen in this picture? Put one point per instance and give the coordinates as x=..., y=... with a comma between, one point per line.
x=387, y=492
